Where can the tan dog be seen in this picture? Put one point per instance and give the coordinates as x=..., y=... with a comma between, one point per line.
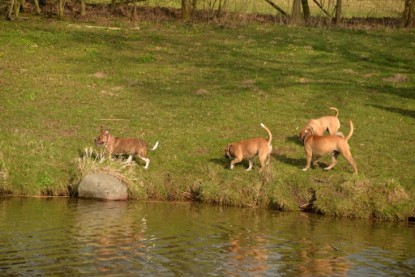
x=317, y=146
x=118, y=146
x=320, y=125
x=248, y=149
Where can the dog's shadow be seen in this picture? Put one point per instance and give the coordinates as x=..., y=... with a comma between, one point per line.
x=294, y=139
x=225, y=163
x=220, y=161
x=300, y=163
x=288, y=160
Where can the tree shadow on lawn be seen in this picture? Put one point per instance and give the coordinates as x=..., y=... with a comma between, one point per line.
x=400, y=111
x=406, y=92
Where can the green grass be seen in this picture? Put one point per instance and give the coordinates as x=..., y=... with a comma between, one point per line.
x=197, y=88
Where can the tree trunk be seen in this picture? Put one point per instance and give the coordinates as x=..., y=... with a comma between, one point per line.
x=16, y=8
x=83, y=8
x=10, y=9
x=186, y=10
x=408, y=13
x=113, y=3
x=296, y=14
x=338, y=17
x=61, y=5
x=37, y=7
x=134, y=10
x=220, y=7
x=306, y=10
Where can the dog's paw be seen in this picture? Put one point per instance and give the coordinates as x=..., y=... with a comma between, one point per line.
x=305, y=169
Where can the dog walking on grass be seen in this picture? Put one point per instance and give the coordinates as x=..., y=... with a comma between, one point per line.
x=249, y=149
x=320, y=125
x=124, y=146
x=317, y=146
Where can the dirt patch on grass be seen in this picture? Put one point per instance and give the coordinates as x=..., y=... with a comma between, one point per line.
x=99, y=75
x=397, y=78
x=201, y=92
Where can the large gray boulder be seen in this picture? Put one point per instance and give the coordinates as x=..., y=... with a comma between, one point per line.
x=102, y=186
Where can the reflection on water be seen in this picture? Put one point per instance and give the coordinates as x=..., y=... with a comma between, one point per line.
x=80, y=237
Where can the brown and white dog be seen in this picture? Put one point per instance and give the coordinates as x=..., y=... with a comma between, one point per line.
x=248, y=149
x=318, y=146
x=119, y=146
x=320, y=125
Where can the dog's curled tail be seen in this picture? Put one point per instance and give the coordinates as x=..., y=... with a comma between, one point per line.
x=155, y=146
x=336, y=110
x=350, y=132
x=269, y=133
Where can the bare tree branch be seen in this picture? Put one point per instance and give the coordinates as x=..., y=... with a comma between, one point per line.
x=276, y=7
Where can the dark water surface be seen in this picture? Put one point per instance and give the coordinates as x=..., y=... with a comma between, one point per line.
x=89, y=238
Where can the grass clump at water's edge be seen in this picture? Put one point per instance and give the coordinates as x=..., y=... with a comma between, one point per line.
x=197, y=88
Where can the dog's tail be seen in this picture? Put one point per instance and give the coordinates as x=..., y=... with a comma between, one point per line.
x=336, y=110
x=269, y=133
x=155, y=146
x=350, y=132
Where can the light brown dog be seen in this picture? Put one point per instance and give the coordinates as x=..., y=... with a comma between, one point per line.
x=248, y=149
x=320, y=125
x=119, y=146
x=317, y=146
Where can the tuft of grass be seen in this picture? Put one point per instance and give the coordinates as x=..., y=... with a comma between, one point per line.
x=92, y=161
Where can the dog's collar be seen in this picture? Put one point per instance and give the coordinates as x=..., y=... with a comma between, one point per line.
x=312, y=132
x=230, y=153
x=308, y=132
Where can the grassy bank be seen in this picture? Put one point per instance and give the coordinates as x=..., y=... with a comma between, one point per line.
x=197, y=88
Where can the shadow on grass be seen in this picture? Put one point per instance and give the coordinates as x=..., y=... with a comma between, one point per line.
x=300, y=163
x=294, y=139
x=221, y=161
x=400, y=111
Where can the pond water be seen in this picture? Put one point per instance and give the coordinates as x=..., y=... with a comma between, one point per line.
x=72, y=237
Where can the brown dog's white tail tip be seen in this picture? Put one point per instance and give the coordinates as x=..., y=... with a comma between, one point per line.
x=155, y=146
x=269, y=134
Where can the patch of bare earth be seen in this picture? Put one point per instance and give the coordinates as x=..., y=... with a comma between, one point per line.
x=248, y=83
x=99, y=75
x=201, y=92
x=397, y=78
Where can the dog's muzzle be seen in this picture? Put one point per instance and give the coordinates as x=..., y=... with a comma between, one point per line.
x=98, y=142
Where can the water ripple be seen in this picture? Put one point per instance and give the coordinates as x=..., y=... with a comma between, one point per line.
x=88, y=238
